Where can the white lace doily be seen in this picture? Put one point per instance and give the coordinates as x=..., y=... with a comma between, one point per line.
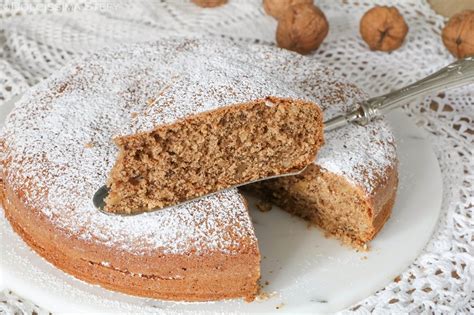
x=37, y=37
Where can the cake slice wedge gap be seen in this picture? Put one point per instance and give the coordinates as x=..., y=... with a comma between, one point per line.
x=211, y=151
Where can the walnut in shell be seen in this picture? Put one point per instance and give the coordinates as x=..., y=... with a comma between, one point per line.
x=383, y=28
x=302, y=28
x=458, y=34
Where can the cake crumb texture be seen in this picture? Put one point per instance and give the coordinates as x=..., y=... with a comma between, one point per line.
x=332, y=203
x=213, y=151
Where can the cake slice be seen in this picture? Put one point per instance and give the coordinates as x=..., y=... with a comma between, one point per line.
x=211, y=151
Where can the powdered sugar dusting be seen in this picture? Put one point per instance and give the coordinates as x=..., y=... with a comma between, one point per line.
x=59, y=137
x=198, y=78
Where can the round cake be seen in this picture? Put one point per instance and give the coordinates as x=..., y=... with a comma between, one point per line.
x=57, y=150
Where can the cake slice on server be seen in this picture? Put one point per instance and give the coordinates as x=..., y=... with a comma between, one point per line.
x=213, y=124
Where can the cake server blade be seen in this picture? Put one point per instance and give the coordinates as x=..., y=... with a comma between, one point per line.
x=101, y=194
x=456, y=74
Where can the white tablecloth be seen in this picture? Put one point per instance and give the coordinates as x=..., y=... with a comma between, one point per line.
x=37, y=37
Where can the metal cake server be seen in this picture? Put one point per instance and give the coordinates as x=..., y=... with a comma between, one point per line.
x=454, y=75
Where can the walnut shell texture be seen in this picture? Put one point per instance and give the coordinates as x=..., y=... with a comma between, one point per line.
x=458, y=34
x=277, y=8
x=209, y=3
x=383, y=28
x=302, y=28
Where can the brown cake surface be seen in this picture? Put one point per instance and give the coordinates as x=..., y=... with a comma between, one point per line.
x=58, y=150
x=212, y=151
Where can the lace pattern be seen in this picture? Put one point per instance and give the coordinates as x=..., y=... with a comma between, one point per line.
x=36, y=38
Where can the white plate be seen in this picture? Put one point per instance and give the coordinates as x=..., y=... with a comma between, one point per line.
x=305, y=271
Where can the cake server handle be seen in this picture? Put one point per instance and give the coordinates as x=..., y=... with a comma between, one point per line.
x=456, y=74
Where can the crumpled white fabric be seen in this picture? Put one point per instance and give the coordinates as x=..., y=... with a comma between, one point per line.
x=38, y=37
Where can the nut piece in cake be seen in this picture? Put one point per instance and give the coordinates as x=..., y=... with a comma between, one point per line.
x=302, y=28
x=383, y=28
x=212, y=151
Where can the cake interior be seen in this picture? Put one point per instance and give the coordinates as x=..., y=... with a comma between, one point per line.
x=329, y=201
x=213, y=151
